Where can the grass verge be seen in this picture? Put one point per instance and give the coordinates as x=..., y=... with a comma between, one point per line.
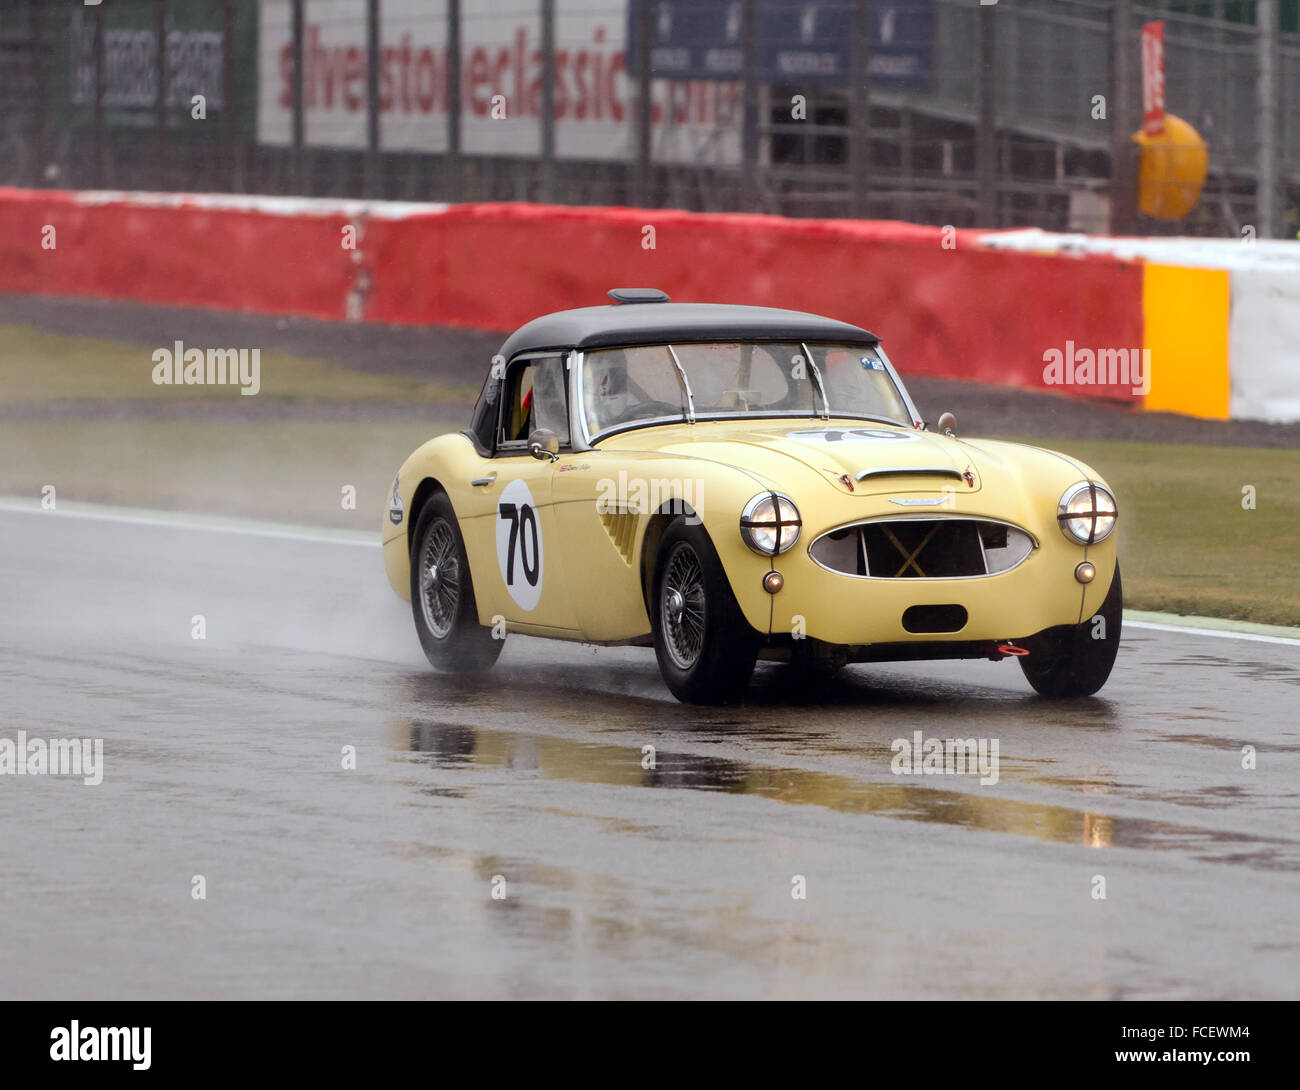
x=1187, y=544
x=36, y=366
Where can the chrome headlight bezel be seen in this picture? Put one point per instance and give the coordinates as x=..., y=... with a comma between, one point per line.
x=1091, y=504
x=767, y=520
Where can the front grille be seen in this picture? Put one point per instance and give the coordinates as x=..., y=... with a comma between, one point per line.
x=923, y=548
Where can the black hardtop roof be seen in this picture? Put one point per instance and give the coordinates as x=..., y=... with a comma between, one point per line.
x=629, y=324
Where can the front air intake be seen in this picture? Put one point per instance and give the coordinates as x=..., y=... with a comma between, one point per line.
x=934, y=618
x=923, y=548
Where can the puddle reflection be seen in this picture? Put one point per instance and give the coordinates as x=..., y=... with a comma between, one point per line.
x=462, y=746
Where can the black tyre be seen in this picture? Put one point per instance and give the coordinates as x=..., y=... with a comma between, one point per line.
x=442, y=595
x=705, y=647
x=1069, y=661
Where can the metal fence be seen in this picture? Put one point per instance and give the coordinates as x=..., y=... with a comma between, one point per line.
x=983, y=116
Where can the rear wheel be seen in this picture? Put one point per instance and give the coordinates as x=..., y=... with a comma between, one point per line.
x=1076, y=660
x=705, y=647
x=442, y=595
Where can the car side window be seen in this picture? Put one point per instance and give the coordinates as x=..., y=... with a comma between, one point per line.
x=535, y=397
x=551, y=397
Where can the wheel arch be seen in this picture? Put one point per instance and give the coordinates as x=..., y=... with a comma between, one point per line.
x=424, y=492
x=657, y=524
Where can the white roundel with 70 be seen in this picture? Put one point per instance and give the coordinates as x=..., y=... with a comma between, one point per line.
x=519, y=544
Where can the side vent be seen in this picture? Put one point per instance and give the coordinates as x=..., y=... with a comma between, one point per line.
x=620, y=524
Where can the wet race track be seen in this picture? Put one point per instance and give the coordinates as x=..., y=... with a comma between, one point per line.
x=223, y=758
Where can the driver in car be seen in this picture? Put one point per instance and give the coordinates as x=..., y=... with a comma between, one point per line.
x=612, y=395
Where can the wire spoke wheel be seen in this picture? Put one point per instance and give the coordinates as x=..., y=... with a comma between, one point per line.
x=705, y=646
x=682, y=608
x=442, y=594
x=439, y=579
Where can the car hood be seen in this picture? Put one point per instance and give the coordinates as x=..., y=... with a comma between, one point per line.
x=852, y=457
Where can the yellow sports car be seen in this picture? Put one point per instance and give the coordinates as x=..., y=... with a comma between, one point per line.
x=727, y=483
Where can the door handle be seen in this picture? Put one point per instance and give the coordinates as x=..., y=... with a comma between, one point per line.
x=479, y=481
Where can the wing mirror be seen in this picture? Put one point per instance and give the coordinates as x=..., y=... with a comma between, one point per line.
x=947, y=425
x=544, y=443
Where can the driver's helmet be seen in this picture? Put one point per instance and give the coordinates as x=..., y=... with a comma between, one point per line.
x=606, y=388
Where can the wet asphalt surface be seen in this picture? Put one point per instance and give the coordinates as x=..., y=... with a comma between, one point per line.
x=223, y=758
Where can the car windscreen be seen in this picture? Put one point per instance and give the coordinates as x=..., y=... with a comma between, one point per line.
x=627, y=386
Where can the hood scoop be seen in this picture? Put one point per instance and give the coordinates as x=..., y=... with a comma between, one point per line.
x=911, y=471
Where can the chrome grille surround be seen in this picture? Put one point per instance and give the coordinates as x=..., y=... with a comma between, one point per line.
x=957, y=539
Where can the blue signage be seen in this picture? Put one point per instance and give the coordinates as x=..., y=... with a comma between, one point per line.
x=799, y=41
x=899, y=54
x=690, y=39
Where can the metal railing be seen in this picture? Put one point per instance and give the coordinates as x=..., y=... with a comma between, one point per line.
x=80, y=107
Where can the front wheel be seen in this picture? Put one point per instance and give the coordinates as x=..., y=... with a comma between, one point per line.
x=705, y=647
x=1076, y=660
x=442, y=595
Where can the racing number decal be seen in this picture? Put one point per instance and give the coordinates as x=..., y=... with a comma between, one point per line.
x=523, y=526
x=519, y=544
x=830, y=435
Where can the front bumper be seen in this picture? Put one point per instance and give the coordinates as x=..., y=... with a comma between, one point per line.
x=1042, y=592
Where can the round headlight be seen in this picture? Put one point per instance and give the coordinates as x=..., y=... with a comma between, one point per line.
x=770, y=523
x=1087, y=513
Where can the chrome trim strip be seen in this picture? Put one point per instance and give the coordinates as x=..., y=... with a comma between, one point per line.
x=898, y=385
x=685, y=384
x=821, y=386
x=658, y=421
x=577, y=417
x=985, y=556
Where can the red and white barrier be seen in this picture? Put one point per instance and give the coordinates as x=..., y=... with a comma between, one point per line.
x=945, y=303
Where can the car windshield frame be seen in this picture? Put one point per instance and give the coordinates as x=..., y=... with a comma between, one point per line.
x=692, y=413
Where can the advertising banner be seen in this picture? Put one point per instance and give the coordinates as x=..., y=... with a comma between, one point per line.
x=501, y=83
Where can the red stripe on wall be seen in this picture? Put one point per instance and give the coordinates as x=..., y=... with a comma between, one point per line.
x=943, y=306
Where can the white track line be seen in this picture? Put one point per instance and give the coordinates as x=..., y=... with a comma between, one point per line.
x=168, y=521
x=283, y=532
x=1192, y=630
